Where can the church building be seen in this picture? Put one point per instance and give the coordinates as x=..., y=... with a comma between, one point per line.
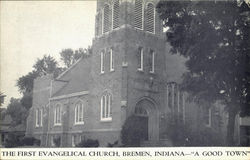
x=131, y=71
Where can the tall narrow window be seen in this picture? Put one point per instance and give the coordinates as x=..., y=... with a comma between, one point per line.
x=106, y=18
x=57, y=115
x=140, y=59
x=102, y=62
x=37, y=117
x=41, y=117
x=106, y=107
x=208, y=117
x=111, y=60
x=152, y=61
x=138, y=14
x=183, y=110
x=115, y=14
x=79, y=113
x=150, y=19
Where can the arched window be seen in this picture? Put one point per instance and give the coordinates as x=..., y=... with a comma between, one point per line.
x=106, y=106
x=115, y=14
x=138, y=14
x=58, y=114
x=79, y=113
x=106, y=18
x=150, y=18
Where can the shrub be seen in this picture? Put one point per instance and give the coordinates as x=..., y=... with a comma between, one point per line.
x=206, y=137
x=115, y=144
x=132, y=133
x=88, y=143
x=30, y=141
x=184, y=135
x=12, y=141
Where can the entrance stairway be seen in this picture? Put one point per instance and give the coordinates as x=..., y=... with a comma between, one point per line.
x=159, y=143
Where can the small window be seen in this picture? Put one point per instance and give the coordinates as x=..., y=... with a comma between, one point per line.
x=102, y=62
x=140, y=59
x=150, y=19
x=208, y=117
x=58, y=114
x=138, y=14
x=111, y=60
x=115, y=14
x=106, y=107
x=79, y=113
x=152, y=61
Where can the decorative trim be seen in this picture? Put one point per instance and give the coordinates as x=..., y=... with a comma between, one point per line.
x=70, y=95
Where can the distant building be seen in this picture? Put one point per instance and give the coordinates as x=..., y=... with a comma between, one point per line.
x=131, y=71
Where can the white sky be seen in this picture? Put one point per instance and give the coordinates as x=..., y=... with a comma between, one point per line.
x=30, y=29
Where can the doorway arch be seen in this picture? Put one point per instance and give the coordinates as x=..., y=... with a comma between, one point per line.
x=147, y=110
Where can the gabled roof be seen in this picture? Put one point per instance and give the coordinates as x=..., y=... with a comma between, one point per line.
x=75, y=79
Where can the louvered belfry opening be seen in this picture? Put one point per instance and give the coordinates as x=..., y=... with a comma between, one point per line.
x=150, y=18
x=116, y=11
x=106, y=25
x=138, y=12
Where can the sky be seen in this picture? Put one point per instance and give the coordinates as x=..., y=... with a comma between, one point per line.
x=31, y=29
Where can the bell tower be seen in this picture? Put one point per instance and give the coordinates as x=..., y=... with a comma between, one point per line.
x=129, y=53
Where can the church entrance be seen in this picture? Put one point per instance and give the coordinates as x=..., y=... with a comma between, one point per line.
x=143, y=119
x=147, y=113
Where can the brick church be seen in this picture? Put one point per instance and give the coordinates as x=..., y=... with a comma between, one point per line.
x=130, y=71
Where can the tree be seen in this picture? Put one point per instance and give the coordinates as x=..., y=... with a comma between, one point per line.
x=43, y=66
x=214, y=36
x=17, y=112
x=47, y=65
x=69, y=57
